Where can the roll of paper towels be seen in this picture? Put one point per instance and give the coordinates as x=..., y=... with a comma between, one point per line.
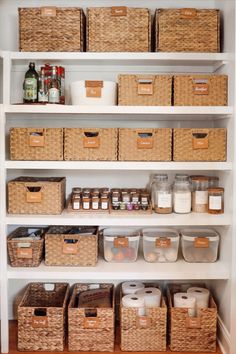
x=152, y=296
x=202, y=296
x=130, y=287
x=134, y=300
x=185, y=300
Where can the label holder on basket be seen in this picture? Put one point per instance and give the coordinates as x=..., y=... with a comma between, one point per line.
x=188, y=13
x=48, y=11
x=33, y=194
x=121, y=242
x=91, y=140
x=200, y=140
x=193, y=322
x=70, y=246
x=145, y=141
x=93, y=88
x=91, y=321
x=143, y=322
x=36, y=139
x=145, y=87
x=201, y=87
x=118, y=11
x=40, y=318
x=24, y=250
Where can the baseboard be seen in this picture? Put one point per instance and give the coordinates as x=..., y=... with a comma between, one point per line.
x=223, y=337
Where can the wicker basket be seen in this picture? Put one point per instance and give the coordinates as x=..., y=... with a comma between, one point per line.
x=145, y=90
x=90, y=144
x=192, y=334
x=60, y=251
x=95, y=333
x=29, y=195
x=200, y=90
x=24, y=253
x=51, y=29
x=36, y=144
x=145, y=144
x=187, y=30
x=200, y=144
x=118, y=29
x=42, y=317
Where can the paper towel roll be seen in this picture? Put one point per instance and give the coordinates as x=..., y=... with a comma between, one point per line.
x=152, y=296
x=130, y=287
x=202, y=296
x=185, y=300
x=135, y=300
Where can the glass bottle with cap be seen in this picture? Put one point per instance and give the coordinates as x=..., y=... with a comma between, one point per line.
x=182, y=194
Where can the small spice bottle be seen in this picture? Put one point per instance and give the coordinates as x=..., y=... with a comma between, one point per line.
x=144, y=200
x=104, y=201
x=95, y=202
x=135, y=198
x=76, y=200
x=216, y=200
x=86, y=201
x=199, y=194
x=126, y=197
x=115, y=197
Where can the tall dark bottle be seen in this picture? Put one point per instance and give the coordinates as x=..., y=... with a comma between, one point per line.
x=30, y=85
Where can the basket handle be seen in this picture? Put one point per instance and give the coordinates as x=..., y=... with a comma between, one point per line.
x=91, y=320
x=70, y=246
x=37, y=138
x=40, y=318
x=200, y=140
x=188, y=13
x=33, y=194
x=91, y=140
x=145, y=140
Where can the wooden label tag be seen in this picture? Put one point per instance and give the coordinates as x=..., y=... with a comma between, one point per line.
x=40, y=322
x=49, y=11
x=120, y=242
x=188, y=13
x=200, y=89
x=201, y=242
x=145, y=143
x=91, y=322
x=119, y=11
x=94, y=92
x=36, y=140
x=93, y=83
x=200, y=143
x=143, y=322
x=70, y=248
x=193, y=322
x=25, y=252
x=163, y=242
x=33, y=197
x=145, y=89
x=91, y=142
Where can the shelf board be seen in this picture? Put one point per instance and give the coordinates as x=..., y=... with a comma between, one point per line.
x=139, y=270
x=119, y=165
x=91, y=218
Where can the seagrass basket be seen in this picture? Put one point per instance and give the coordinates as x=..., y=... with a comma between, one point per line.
x=145, y=144
x=187, y=30
x=36, y=144
x=42, y=317
x=200, y=144
x=145, y=90
x=118, y=29
x=51, y=29
x=91, y=144
x=200, y=90
x=65, y=247
x=91, y=329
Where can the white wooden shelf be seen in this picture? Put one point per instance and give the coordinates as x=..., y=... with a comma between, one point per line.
x=119, y=165
x=139, y=270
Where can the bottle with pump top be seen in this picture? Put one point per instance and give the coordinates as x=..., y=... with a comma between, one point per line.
x=30, y=85
x=54, y=87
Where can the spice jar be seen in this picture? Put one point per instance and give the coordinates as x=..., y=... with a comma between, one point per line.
x=76, y=190
x=199, y=194
x=162, y=198
x=182, y=195
x=95, y=202
x=115, y=197
x=86, y=201
x=104, y=201
x=215, y=200
x=144, y=200
x=135, y=198
x=76, y=201
x=213, y=182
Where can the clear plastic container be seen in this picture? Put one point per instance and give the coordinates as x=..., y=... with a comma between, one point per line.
x=121, y=245
x=160, y=245
x=200, y=245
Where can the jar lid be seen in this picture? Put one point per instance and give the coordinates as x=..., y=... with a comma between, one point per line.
x=215, y=190
x=191, y=234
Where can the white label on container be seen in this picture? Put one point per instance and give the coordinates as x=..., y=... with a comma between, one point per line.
x=104, y=205
x=182, y=202
x=95, y=205
x=215, y=203
x=76, y=205
x=86, y=205
x=201, y=197
x=164, y=200
x=54, y=95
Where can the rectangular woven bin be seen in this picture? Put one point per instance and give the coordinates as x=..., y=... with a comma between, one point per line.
x=70, y=249
x=200, y=90
x=145, y=144
x=42, y=317
x=24, y=253
x=118, y=29
x=95, y=333
x=145, y=90
x=200, y=144
x=36, y=144
x=29, y=195
x=192, y=334
x=187, y=30
x=51, y=29
x=91, y=144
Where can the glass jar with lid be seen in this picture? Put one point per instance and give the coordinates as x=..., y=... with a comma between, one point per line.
x=159, y=177
x=182, y=196
x=163, y=197
x=199, y=194
x=216, y=200
x=181, y=177
x=213, y=182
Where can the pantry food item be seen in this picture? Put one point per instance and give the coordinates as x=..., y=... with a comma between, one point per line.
x=130, y=199
x=162, y=195
x=30, y=85
x=215, y=200
x=86, y=199
x=181, y=195
x=199, y=194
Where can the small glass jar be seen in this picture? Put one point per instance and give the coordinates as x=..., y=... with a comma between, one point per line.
x=213, y=182
x=126, y=197
x=163, y=198
x=199, y=194
x=95, y=202
x=144, y=200
x=86, y=202
x=104, y=201
x=76, y=201
x=216, y=200
x=76, y=190
x=115, y=197
x=182, y=196
x=135, y=198
x=116, y=205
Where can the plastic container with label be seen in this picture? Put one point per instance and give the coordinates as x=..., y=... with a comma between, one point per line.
x=200, y=245
x=160, y=245
x=121, y=244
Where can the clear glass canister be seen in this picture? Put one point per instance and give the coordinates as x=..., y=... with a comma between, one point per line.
x=160, y=177
x=182, y=196
x=163, y=198
x=215, y=200
x=199, y=194
x=213, y=182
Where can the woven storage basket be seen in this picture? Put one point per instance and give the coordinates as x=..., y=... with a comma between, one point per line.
x=192, y=334
x=200, y=144
x=145, y=144
x=29, y=195
x=145, y=90
x=60, y=252
x=118, y=29
x=24, y=253
x=187, y=30
x=200, y=90
x=90, y=144
x=51, y=29
x=36, y=144
x=42, y=317
x=91, y=333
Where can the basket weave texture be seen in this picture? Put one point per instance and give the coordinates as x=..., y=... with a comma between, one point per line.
x=187, y=30
x=84, y=254
x=42, y=333
x=98, y=339
x=21, y=147
x=187, y=90
x=104, y=146
x=32, y=258
x=184, y=149
x=134, y=147
x=109, y=32
x=51, y=195
x=160, y=87
x=59, y=30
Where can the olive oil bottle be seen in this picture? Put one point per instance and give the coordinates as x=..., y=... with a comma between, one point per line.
x=30, y=85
